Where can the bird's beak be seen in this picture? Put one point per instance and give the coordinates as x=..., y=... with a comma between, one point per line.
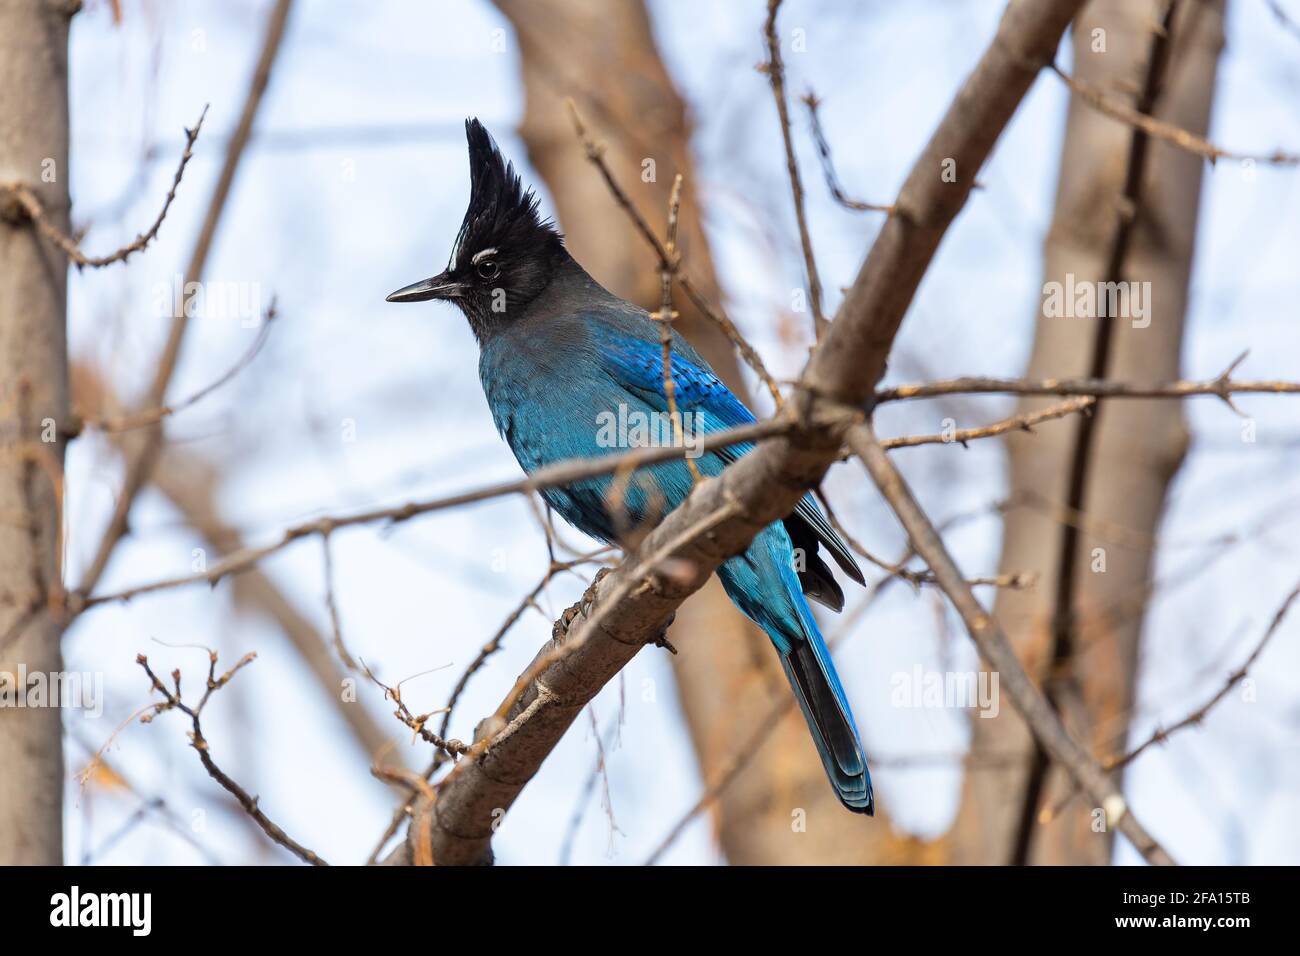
x=436, y=287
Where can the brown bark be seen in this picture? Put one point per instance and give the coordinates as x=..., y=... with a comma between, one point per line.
x=1136, y=446
x=727, y=677
x=33, y=396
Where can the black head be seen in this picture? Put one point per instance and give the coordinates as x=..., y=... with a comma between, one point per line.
x=505, y=253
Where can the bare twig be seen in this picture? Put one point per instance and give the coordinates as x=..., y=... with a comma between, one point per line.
x=1223, y=387
x=1023, y=422
x=1167, y=132
x=669, y=265
x=31, y=205
x=562, y=473
x=417, y=722
x=775, y=70
x=811, y=101
x=332, y=605
x=172, y=701
x=152, y=416
x=1195, y=717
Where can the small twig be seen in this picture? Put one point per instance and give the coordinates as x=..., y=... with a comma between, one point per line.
x=562, y=473
x=331, y=605
x=775, y=70
x=1024, y=422
x=453, y=748
x=153, y=416
x=172, y=701
x=1223, y=387
x=32, y=206
x=1195, y=717
x=828, y=166
x=667, y=270
x=1165, y=131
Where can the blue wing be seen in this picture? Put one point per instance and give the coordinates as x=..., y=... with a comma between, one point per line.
x=637, y=365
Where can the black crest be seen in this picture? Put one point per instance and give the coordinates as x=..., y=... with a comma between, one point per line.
x=502, y=214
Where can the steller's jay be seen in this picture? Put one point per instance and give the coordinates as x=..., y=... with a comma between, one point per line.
x=559, y=356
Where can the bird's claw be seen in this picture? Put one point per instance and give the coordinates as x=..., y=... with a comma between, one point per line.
x=580, y=608
x=661, y=639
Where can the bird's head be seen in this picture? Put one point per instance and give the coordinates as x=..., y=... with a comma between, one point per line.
x=505, y=253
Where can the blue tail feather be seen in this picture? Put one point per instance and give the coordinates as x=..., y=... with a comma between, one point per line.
x=762, y=583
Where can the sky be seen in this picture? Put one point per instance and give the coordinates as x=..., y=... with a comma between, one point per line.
x=355, y=184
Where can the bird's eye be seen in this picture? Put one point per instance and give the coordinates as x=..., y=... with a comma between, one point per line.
x=488, y=269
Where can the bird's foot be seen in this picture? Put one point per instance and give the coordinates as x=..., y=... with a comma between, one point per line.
x=580, y=608
x=661, y=640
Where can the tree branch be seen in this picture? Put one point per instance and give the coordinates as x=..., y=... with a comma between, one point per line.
x=31, y=205
x=997, y=651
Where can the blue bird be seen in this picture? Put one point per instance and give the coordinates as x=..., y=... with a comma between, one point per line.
x=562, y=360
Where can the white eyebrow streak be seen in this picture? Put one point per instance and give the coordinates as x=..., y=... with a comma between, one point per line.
x=479, y=255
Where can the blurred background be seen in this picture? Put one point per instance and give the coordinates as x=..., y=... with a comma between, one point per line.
x=354, y=182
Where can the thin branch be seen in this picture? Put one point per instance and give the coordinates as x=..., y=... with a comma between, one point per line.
x=561, y=473
x=152, y=416
x=669, y=265
x=332, y=605
x=1167, y=132
x=172, y=701
x=1024, y=422
x=1223, y=387
x=31, y=205
x=996, y=650
x=417, y=722
x=811, y=101
x=1162, y=734
x=775, y=70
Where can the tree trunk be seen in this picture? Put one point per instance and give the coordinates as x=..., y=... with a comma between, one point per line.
x=1136, y=447
x=727, y=675
x=33, y=407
